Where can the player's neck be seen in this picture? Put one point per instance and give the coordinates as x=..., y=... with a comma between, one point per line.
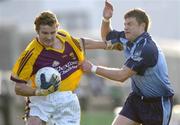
x=58, y=44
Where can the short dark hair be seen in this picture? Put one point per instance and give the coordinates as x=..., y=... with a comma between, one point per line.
x=45, y=18
x=140, y=15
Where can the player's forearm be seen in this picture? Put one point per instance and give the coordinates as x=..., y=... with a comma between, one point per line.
x=111, y=73
x=94, y=44
x=24, y=90
x=105, y=29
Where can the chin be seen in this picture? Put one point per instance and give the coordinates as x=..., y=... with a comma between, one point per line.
x=48, y=45
x=127, y=37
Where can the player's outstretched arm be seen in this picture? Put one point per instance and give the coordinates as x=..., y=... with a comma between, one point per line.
x=25, y=90
x=99, y=44
x=110, y=73
x=93, y=44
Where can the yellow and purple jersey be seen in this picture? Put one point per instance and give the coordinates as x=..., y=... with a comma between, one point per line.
x=37, y=56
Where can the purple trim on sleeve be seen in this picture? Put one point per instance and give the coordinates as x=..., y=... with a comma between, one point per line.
x=17, y=80
x=61, y=34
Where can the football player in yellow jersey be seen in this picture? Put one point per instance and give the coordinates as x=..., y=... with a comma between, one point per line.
x=58, y=49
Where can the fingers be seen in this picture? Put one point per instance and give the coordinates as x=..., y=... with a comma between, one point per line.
x=108, y=5
x=108, y=10
x=56, y=81
x=54, y=78
x=43, y=78
x=56, y=86
x=86, y=66
x=80, y=64
x=51, y=89
x=106, y=2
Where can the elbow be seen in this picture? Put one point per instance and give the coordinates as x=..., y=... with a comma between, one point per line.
x=103, y=36
x=122, y=79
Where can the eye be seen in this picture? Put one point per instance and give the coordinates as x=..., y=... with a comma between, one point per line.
x=53, y=33
x=45, y=33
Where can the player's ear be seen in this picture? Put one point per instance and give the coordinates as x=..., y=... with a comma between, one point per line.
x=37, y=31
x=57, y=25
x=143, y=25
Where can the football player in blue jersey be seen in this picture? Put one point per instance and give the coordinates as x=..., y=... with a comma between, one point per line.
x=150, y=102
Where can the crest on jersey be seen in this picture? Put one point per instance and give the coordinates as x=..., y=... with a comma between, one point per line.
x=55, y=63
x=72, y=56
x=64, y=56
x=137, y=56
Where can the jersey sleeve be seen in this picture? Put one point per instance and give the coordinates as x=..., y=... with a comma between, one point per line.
x=77, y=42
x=23, y=67
x=144, y=56
x=78, y=47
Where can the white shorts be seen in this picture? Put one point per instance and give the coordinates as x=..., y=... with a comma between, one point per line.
x=60, y=107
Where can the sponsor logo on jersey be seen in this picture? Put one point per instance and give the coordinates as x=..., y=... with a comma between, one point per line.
x=55, y=63
x=72, y=56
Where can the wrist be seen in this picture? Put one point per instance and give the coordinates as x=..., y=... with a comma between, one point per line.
x=106, y=20
x=94, y=68
x=40, y=92
x=108, y=44
x=37, y=92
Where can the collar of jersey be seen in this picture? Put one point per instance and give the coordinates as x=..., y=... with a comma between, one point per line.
x=50, y=48
x=137, y=40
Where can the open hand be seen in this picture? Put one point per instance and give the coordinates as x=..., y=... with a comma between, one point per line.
x=108, y=10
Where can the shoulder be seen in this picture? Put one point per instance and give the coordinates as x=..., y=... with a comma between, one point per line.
x=147, y=50
x=63, y=33
x=34, y=45
x=32, y=50
x=144, y=55
x=23, y=65
x=148, y=47
x=69, y=38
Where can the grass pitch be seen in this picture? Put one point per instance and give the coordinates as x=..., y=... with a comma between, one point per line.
x=97, y=118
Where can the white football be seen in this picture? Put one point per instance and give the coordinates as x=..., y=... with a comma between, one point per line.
x=48, y=72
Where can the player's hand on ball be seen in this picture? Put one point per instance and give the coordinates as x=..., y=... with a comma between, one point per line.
x=48, y=87
x=53, y=83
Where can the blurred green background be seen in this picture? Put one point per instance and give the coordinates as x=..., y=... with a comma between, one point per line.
x=97, y=118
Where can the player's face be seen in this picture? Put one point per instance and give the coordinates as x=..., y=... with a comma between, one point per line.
x=47, y=34
x=132, y=28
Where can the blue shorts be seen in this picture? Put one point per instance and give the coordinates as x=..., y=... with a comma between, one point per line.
x=148, y=111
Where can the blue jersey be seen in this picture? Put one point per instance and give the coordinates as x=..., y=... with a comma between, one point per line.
x=145, y=58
